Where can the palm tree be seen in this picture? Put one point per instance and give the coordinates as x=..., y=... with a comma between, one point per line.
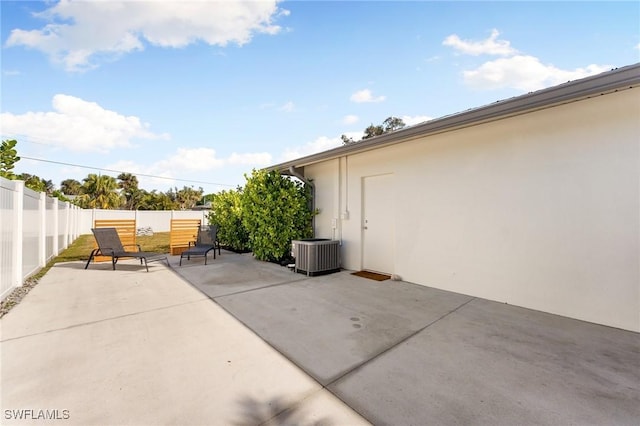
x=70, y=187
x=37, y=183
x=100, y=192
x=186, y=197
x=155, y=201
x=129, y=185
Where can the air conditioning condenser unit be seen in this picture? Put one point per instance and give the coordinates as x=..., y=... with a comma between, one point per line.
x=316, y=256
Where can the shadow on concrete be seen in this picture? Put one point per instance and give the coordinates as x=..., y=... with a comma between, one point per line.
x=232, y=273
x=275, y=411
x=122, y=265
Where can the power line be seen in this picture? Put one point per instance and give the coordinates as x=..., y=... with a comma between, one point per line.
x=120, y=171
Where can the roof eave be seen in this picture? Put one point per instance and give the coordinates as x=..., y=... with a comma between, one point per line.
x=617, y=79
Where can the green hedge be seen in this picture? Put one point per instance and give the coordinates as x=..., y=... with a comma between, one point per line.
x=265, y=216
x=276, y=210
x=226, y=214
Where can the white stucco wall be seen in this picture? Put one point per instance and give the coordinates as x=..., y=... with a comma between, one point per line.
x=327, y=201
x=540, y=210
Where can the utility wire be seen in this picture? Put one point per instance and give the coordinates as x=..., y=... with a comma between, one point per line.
x=120, y=171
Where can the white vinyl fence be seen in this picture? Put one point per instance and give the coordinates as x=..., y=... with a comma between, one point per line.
x=35, y=228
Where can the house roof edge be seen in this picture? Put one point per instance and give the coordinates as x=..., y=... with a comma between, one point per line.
x=610, y=81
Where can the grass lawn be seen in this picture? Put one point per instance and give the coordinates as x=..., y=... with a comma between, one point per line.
x=81, y=248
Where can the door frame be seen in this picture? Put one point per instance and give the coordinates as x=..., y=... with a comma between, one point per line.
x=390, y=246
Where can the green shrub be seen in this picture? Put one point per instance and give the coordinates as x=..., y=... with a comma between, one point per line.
x=275, y=210
x=226, y=214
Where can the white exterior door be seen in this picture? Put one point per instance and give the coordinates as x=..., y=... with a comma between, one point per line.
x=378, y=233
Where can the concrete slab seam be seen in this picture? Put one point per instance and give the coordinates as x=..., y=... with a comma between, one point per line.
x=311, y=377
x=260, y=288
x=194, y=285
x=303, y=369
x=103, y=320
x=393, y=346
x=308, y=373
x=299, y=403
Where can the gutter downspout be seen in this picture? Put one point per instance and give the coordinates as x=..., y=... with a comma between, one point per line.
x=312, y=206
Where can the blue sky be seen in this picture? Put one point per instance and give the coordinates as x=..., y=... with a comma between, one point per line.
x=205, y=91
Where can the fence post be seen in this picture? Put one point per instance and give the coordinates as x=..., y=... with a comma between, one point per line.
x=77, y=221
x=75, y=215
x=18, y=231
x=56, y=227
x=42, y=233
x=67, y=225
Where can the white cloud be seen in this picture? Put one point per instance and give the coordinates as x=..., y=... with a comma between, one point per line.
x=186, y=160
x=515, y=71
x=195, y=159
x=322, y=143
x=356, y=136
x=179, y=164
x=251, y=159
x=525, y=73
x=417, y=119
x=129, y=166
x=350, y=119
x=203, y=159
x=287, y=107
x=366, y=96
x=267, y=105
x=78, y=31
x=489, y=46
x=77, y=125
x=164, y=181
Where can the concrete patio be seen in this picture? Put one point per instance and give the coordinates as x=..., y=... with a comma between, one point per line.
x=250, y=342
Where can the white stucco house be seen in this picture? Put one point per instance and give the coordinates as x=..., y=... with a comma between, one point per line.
x=532, y=201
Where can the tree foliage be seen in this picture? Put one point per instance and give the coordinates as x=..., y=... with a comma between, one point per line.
x=8, y=158
x=392, y=123
x=154, y=200
x=226, y=214
x=208, y=198
x=275, y=210
x=373, y=131
x=128, y=185
x=99, y=192
x=60, y=195
x=185, y=198
x=36, y=183
x=102, y=191
x=265, y=216
x=70, y=187
x=389, y=125
x=346, y=140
